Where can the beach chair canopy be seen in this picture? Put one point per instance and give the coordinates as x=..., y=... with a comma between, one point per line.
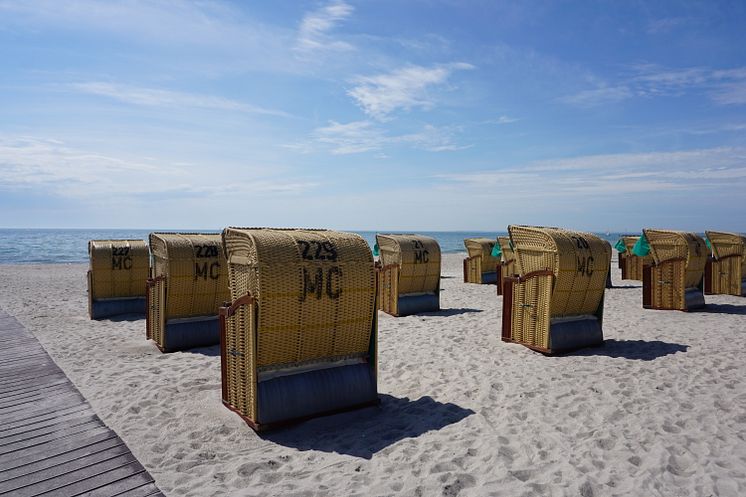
x=670, y=245
x=119, y=268
x=418, y=258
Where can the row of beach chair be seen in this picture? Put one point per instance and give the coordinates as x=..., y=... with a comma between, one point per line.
x=294, y=311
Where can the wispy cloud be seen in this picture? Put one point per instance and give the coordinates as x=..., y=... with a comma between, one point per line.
x=723, y=86
x=665, y=24
x=165, y=98
x=50, y=166
x=364, y=136
x=406, y=88
x=313, y=33
x=699, y=169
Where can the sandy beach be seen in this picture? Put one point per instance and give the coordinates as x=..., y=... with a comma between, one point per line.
x=660, y=410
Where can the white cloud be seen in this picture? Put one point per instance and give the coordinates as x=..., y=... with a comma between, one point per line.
x=166, y=98
x=625, y=173
x=723, y=86
x=364, y=136
x=405, y=88
x=315, y=26
x=50, y=166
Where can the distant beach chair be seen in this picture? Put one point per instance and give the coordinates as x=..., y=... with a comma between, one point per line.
x=673, y=280
x=116, y=278
x=507, y=262
x=299, y=338
x=480, y=266
x=725, y=272
x=630, y=264
x=408, y=275
x=555, y=302
x=187, y=286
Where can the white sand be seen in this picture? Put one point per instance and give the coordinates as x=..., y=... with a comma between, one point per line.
x=660, y=410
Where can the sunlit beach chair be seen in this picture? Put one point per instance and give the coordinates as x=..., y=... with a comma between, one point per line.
x=725, y=273
x=630, y=264
x=480, y=266
x=408, y=274
x=116, y=278
x=299, y=337
x=188, y=284
x=507, y=262
x=555, y=302
x=673, y=278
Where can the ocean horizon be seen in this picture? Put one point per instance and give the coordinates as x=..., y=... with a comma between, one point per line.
x=70, y=245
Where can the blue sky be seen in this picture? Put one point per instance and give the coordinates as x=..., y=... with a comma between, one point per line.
x=416, y=115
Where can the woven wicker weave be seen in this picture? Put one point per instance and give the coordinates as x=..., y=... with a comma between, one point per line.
x=507, y=262
x=302, y=299
x=118, y=270
x=480, y=259
x=724, y=273
x=563, y=276
x=677, y=270
x=189, y=279
x=630, y=264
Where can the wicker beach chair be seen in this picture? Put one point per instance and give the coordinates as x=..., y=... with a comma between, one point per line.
x=480, y=266
x=674, y=278
x=188, y=284
x=299, y=336
x=631, y=264
x=116, y=278
x=408, y=274
x=725, y=272
x=555, y=302
x=507, y=262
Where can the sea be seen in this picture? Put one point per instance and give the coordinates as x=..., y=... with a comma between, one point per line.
x=70, y=246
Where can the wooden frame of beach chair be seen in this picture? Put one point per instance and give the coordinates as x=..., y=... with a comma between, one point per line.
x=408, y=278
x=299, y=338
x=674, y=278
x=116, y=278
x=507, y=267
x=480, y=266
x=555, y=302
x=630, y=264
x=724, y=271
x=188, y=284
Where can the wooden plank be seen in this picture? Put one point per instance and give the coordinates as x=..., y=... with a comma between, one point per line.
x=51, y=441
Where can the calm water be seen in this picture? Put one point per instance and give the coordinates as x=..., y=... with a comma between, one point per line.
x=53, y=246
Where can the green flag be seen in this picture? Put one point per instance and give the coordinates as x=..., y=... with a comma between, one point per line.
x=642, y=247
x=496, y=250
x=707, y=241
x=620, y=246
x=376, y=252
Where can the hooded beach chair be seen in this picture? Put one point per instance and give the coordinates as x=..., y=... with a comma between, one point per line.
x=507, y=267
x=408, y=274
x=188, y=284
x=630, y=264
x=555, y=301
x=480, y=266
x=116, y=278
x=725, y=272
x=673, y=279
x=298, y=338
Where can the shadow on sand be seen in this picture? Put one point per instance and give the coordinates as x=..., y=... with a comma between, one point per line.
x=640, y=350
x=124, y=317
x=364, y=432
x=210, y=351
x=725, y=308
x=449, y=312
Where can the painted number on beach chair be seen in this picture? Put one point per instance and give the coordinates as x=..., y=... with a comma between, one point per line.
x=205, y=251
x=320, y=282
x=317, y=251
x=580, y=242
x=421, y=256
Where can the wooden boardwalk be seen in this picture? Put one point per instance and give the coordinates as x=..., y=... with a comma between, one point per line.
x=51, y=441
